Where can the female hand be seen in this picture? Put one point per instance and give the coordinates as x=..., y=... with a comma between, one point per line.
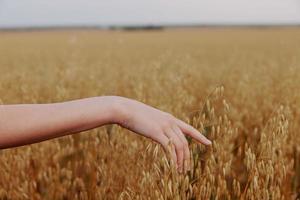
x=161, y=127
x=30, y=123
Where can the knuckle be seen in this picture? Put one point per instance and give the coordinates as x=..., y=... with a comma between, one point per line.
x=180, y=162
x=180, y=147
x=157, y=130
x=169, y=116
x=172, y=118
x=165, y=125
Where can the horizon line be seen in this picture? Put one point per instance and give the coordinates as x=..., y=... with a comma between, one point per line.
x=149, y=26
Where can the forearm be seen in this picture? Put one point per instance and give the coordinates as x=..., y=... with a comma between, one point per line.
x=29, y=123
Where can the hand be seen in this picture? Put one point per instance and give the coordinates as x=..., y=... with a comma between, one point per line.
x=161, y=127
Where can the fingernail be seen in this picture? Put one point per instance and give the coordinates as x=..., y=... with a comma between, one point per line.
x=207, y=141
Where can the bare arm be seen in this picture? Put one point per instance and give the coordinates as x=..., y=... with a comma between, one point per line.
x=29, y=123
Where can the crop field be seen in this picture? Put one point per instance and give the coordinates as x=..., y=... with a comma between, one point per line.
x=239, y=87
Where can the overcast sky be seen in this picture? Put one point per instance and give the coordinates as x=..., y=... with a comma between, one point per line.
x=117, y=12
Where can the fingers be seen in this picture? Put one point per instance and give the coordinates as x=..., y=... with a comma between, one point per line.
x=191, y=131
x=186, y=161
x=164, y=140
x=179, y=148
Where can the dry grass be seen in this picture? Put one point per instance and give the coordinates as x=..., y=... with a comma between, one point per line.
x=239, y=87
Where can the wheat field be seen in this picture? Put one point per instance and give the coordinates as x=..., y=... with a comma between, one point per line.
x=239, y=87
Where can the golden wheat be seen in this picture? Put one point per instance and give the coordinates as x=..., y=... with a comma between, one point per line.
x=239, y=87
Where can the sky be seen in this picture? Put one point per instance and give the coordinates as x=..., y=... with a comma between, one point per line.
x=22, y=13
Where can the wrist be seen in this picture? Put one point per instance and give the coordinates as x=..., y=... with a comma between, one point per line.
x=118, y=113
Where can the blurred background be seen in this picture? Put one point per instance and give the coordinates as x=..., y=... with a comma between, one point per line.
x=114, y=13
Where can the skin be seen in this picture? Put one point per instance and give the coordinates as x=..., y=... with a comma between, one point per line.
x=24, y=124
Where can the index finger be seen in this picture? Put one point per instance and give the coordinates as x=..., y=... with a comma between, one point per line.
x=194, y=133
